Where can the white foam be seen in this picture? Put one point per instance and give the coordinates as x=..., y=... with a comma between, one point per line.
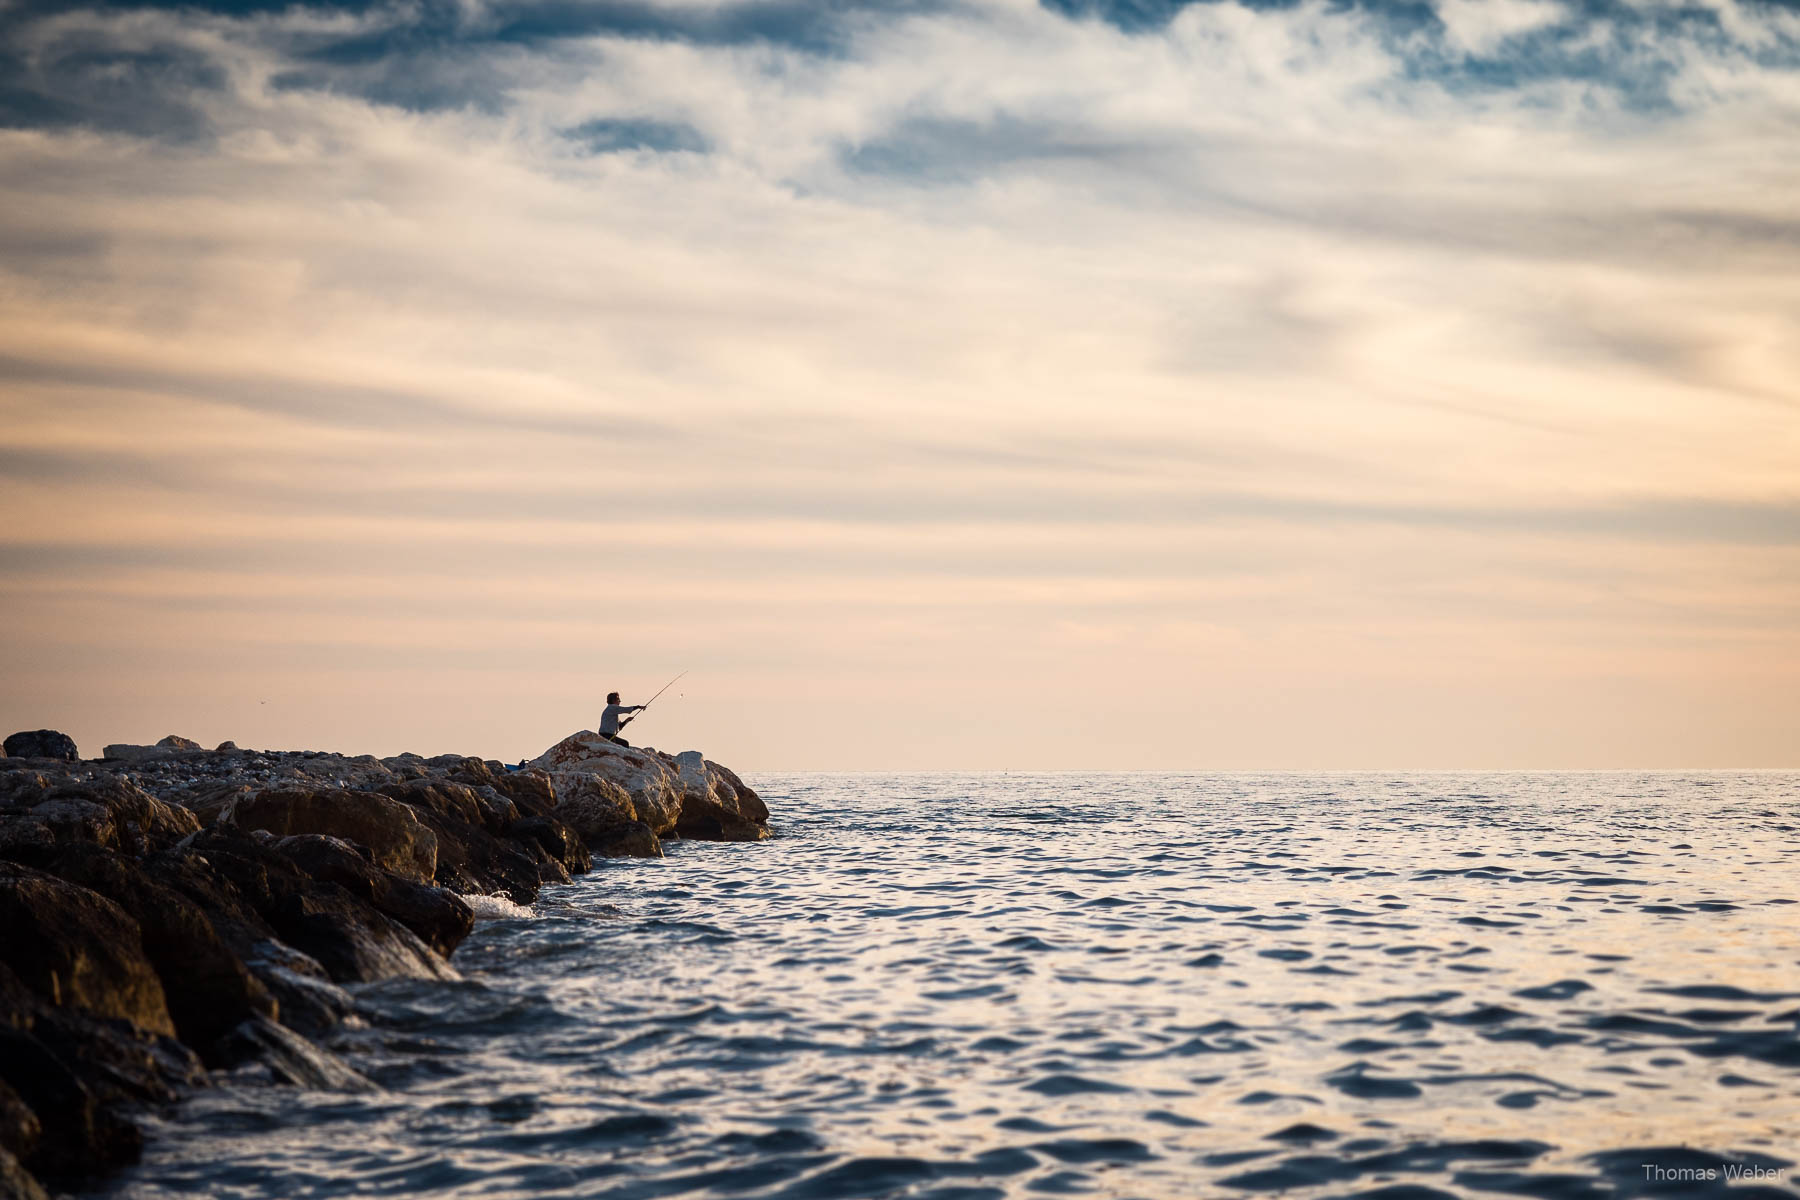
x=498, y=908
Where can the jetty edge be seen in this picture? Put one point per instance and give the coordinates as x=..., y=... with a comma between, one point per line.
x=168, y=911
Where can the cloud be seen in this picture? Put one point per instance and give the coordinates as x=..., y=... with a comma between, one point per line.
x=1479, y=27
x=870, y=347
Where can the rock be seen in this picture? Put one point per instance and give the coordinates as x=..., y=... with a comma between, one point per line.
x=40, y=810
x=67, y=1078
x=42, y=743
x=351, y=940
x=16, y=1182
x=591, y=803
x=346, y=935
x=653, y=786
x=710, y=805
x=531, y=790
x=290, y=1058
x=393, y=835
x=438, y=917
x=209, y=803
x=223, y=896
x=749, y=805
x=682, y=794
x=72, y=946
x=310, y=1003
x=78, y=1136
x=631, y=840
x=472, y=858
x=127, y=752
x=19, y=1126
x=562, y=844
x=209, y=990
x=602, y=813
x=235, y=916
x=226, y=748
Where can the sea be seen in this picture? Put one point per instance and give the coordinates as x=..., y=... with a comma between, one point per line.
x=974, y=986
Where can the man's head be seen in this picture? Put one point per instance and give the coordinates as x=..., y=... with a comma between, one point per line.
x=612, y=697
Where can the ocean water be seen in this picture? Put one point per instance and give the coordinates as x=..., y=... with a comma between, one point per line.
x=970, y=986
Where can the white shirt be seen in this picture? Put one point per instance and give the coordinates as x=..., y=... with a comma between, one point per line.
x=609, y=720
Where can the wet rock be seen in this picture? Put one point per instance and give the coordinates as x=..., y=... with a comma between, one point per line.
x=72, y=946
x=16, y=1183
x=562, y=844
x=122, y=1064
x=19, y=1126
x=78, y=1136
x=352, y=941
x=438, y=916
x=346, y=935
x=395, y=838
x=310, y=1003
x=68, y=1079
x=209, y=990
x=291, y=1059
x=42, y=743
x=634, y=839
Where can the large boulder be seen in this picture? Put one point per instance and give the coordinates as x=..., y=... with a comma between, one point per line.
x=345, y=934
x=591, y=804
x=557, y=840
x=632, y=840
x=79, y=1135
x=208, y=988
x=69, y=1080
x=437, y=916
x=42, y=743
x=711, y=808
x=396, y=839
x=74, y=947
x=129, y=752
x=602, y=813
x=680, y=794
x=173, y=746
x=750, y=806
x=474, y=855
x=654, y=788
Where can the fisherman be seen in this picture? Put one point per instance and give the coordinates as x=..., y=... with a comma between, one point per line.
x=609, y=720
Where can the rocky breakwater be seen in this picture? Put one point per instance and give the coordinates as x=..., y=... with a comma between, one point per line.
x=168, y=912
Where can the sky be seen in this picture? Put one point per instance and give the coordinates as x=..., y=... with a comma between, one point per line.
x=943, y=384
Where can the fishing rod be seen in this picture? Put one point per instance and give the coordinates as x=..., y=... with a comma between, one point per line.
x=652, y=700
